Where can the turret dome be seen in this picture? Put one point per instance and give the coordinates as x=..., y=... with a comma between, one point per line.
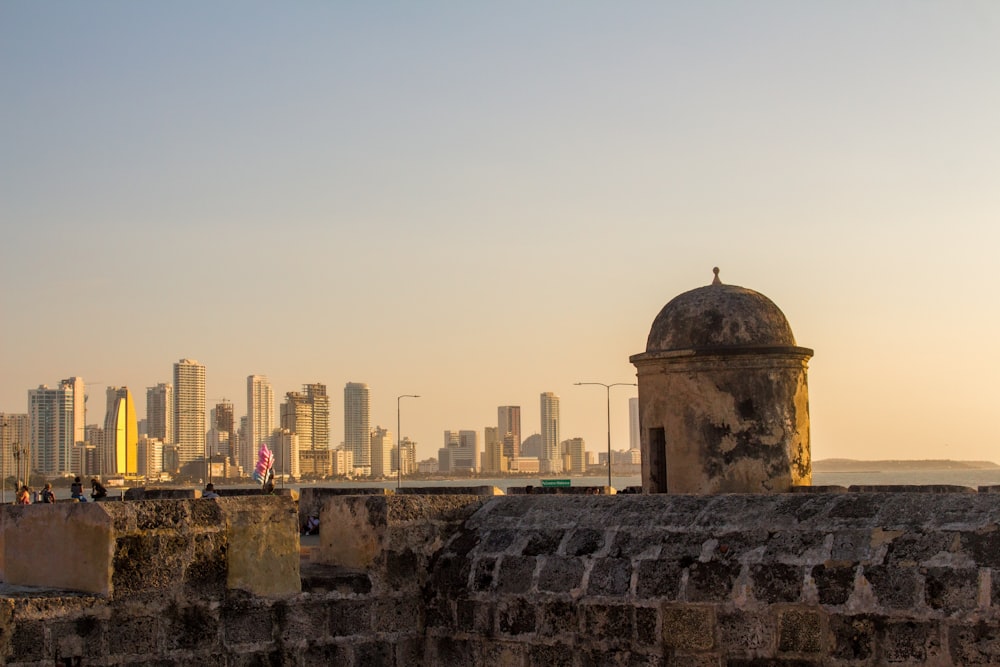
x=719, y=316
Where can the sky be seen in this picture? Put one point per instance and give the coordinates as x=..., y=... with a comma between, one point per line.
x=481, y=202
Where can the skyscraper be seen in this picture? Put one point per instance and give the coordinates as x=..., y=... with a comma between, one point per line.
x=382, y=451
x=260, y=418
x=357, y=424
x=160, y=412
x=15, y=435
x=307, y=415
x=633, y=423
x=460, y=452
x=223, y=431
x=492, y=450
x=509, y=425
x=189, y=410
x=550, y=433
x=121, y=434
x=52, y=414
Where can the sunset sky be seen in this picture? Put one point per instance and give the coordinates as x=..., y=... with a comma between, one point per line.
x=482, y=201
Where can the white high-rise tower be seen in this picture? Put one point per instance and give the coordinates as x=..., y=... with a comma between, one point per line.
x=260, y=418
x=189, y=410
x=550, y=433
x=357, y=424
x=160, y=412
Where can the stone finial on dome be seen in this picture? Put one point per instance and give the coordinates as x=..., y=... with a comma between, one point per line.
x=715, y=280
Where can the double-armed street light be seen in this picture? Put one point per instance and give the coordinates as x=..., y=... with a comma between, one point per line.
x=607, y=388
x=399, y=441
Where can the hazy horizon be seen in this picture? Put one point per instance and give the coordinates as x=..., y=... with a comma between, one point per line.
x=479, y=203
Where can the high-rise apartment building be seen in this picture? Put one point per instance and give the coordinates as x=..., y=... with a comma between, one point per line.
x=307, y=414
x=316, y=393
x=575, y=456
x=408, y=454
x=460, y=452
x=633, y=423
x=52, y=414
x=550, y=433
x=79, y=408
x=357, y=425
x=289, y=461
x=381, y=448
x=150, y=457
x=493, y=455
x=15, y=436
x=509, y=426
x=222, y=436
x=189, y=410
x=160, y=412
x=121, y=434
x=260, y=419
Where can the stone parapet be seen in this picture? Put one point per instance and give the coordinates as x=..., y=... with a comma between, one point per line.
x=172, y=548
x=392, y=537
x=805, y=579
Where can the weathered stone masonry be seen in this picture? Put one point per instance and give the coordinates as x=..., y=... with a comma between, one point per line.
x=820, y=577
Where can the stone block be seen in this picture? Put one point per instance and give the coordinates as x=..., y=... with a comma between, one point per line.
x=894, y=587
x=262, y=545
x=916, y=548
x=483, y=574
x=516, y=616
x=800, y=631
x=689, y=627
x=131, y=632
x=712, y=581
x=743, y=632
x=560, y=575
x=320, y=654
x=303, y=622
x=499, y=654
x=983, y=546
x=551, y=655
x=516, y=574
x=247, y=624
x=498, y=541
x=855, y=638
x=776, y=582
x=951, y=590
x=647, y=626
x=975, y=643
x=374, y=654
x=475, y=616
x=559, y=618
x=35, y=539
x=398, y=615
x=610, y=576
x=834, y=583
x=917, y=642
x=658, y=579
x=350, y=617
x=27, y=642
x=80, y=639
x=191, y=627
x=611, y=623
x=584, y=542
x=543, y=542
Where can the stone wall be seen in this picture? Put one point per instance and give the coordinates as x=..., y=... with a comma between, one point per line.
x=810, y=578
x=740, y=580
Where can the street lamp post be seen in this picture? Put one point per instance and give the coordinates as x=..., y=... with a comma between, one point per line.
x=399, y=442
x=19, y=451
x=607, y=388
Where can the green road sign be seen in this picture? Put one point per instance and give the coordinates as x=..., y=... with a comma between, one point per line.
x=555, y=482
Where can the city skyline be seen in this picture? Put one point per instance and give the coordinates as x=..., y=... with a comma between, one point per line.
x=505, y=196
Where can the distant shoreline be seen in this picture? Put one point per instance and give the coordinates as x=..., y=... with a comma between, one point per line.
x=895, y=465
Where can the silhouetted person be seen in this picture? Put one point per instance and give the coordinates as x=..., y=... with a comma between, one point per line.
x=76, y=490
x=209, y=491
x=97, y=490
